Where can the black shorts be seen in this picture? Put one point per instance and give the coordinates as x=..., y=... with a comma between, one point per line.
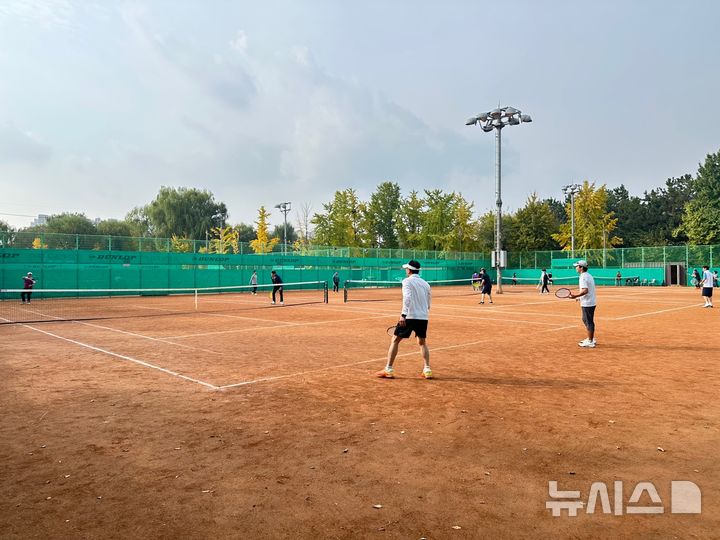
x=487, y=289
x=707, y=291
x=419, y=326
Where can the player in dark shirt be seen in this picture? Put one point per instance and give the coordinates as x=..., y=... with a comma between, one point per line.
x=28, y=283
x=277, y=281
x=544, y=280
x=486, y=287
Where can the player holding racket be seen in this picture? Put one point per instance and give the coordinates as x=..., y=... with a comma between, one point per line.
x=413, y=318
x=277, y=287
x=587, y=301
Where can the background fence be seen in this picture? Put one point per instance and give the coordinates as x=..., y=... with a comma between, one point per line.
x=67, y=261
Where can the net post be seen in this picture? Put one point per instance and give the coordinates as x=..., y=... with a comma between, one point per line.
x=345, y=291
x=196, y=299
x=325, y=292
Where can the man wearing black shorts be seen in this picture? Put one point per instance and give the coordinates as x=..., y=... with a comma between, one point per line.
x=544, y=281
x=485, y=286
x=414, y=318
x=707, y=286
x=277, y=282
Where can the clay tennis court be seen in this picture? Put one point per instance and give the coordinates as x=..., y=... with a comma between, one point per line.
x=266, y=421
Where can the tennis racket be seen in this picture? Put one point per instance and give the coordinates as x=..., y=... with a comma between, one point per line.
x=402, y=331
x=563, y=292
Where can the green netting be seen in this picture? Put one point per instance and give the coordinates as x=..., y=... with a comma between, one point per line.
x=67, y=261
x=104, y=269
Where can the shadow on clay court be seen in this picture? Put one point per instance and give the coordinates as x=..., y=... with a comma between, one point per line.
x=502, y=381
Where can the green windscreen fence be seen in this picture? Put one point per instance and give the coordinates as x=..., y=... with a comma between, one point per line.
x=103, y=269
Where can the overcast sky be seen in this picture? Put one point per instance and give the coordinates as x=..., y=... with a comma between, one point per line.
x=101, y=103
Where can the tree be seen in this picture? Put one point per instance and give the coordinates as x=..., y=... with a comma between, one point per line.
x=593, y=223
x=139, y=222
x=186, y=212
x=463, y=233
x=68, y=223
x=665, y=208
x=223, y=240
x=339, y=225
x=534, y=225
x=557, y=208
x=262, y=244
x=182, y=245
x=412, y=213
x=115, y=227
x=5, y=226
x=631, y=213
x=437, y=225
x=304, y=221
x=382, y=215
x=279, y=232
x=486, y=231
x=701, y=218
x=246, y=233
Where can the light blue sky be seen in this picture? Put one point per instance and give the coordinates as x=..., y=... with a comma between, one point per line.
x=101, y=103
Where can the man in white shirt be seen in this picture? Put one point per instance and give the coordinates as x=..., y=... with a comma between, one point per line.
x=587, y=302
x=707, y=286
x=413, y=318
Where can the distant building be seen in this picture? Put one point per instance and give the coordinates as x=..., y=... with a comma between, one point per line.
x=42, y=219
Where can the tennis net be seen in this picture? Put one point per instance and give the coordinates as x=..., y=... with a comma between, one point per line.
x=377, y=291
x=572, y=281
x=45, y=305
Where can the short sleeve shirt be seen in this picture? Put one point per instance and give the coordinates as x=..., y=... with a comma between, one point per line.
x=587, y=282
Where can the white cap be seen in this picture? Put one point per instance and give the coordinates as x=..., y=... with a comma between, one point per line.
x=412, y=265
x=582, y=263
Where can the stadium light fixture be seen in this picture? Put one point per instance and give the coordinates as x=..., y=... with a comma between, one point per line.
x=284, y=208
x=572, y=190
x=489, y=121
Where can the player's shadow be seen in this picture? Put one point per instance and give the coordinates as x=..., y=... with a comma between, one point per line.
x=523, y=382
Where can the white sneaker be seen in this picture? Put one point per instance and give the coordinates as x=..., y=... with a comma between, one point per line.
x=587, y=344
x=273, y=303
x=584, y=342
x=282, y=303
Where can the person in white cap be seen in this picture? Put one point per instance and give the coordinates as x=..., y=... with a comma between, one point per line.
x=28, y=284
x=587, y=302
x=413, y=318
x=707, y=283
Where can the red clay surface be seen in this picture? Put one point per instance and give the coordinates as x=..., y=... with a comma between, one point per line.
x=267, y=423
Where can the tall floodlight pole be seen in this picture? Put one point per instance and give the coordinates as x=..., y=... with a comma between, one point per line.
x=572, y=190
x=496, y=120
x=284, y=208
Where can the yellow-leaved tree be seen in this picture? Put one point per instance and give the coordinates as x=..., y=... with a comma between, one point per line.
x=180, y=244
x=262, y=244
x=224, y=240
x=38, y=244
x=593, y=223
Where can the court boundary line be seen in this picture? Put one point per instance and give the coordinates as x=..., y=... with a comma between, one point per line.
x=360, y=362
x=126, y=358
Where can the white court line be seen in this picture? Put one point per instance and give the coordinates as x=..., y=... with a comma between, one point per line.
x=143, y=336
x=654, y=312
x=123, y=357
x=284, y=325
x=435, y=315
x=352, y=364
